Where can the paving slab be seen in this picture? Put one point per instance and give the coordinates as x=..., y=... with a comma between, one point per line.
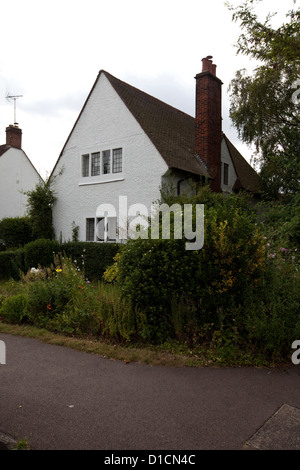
x=280, y=432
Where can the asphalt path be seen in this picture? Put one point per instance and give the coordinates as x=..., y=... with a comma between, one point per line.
x=62, y=399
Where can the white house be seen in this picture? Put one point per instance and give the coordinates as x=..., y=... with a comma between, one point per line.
x=127, y=143
x=17, y=175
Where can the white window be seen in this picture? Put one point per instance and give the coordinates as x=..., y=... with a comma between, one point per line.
x=102, y=163
x=85, y=165
x=102, y=229
x=90, y=230
x=95, y=164
x=106, y=162
x=117, y=160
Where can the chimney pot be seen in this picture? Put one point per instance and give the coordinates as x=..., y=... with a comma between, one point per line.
x=14, y=136
x=208, y=66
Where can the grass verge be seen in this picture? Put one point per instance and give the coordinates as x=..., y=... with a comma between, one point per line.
x=171, y=354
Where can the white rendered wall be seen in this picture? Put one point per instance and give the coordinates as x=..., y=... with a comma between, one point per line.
x=105, y=123
x=225, y=158
x=17, y=176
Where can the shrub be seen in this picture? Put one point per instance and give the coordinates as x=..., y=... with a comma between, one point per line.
x=40, y=203
x=91, y=257
x=15, y=231
x=11, y=264
x=209, y=281
x=51, y=290
x=271, y=312
x=14, y=309
x=40, y=253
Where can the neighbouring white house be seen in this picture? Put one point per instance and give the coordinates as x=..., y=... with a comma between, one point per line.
x=17, y=175
x=128, y=143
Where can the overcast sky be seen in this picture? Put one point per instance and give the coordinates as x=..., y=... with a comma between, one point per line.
x=52, y=51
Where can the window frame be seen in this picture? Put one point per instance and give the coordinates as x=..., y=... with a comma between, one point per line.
x=226, y=174
x=102, y=165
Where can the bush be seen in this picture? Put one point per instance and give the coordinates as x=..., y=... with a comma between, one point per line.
x=14, y=309
x=40, y=253
x=15, y=231
x=271, y=312
x=91, y=257
x=62, y=300
x=11, y=264
x=40, y=203
x=153, y=274
x=280, y=221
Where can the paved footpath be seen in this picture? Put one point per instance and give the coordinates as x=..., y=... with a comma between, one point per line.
x=59, y=398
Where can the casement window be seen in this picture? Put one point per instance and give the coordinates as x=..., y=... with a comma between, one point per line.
x=90, y=230
x=85, y=165
x=117, y=160
x=103, y=162
x=103, y=229
x=225, y=173
x=106, y=162
x=95, y=164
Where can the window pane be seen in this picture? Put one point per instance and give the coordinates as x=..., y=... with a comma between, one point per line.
x=95, y=164
x=111, y=228
x=225, y=178
x=90, y=230
x=117, y=160
x=106, y=161
x=85, y=165
x=100, y=229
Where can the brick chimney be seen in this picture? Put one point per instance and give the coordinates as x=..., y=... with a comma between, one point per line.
x=14, y=136
x=209, y=120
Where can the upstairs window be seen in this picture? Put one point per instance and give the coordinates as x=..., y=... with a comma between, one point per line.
x=117, y=161
x=95, y=164
x=106, y=162
x=102, y=163
x=85, y=165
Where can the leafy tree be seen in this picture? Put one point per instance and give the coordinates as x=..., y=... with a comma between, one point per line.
x=40, y=204
x=265, y=105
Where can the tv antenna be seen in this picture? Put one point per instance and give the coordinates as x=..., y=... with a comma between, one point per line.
x=14, y=97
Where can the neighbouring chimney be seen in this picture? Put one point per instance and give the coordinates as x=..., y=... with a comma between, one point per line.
x=209, y=120
x=14, y=136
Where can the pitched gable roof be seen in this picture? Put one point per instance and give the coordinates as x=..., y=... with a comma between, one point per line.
x=171, y=131
x=5, y=147
x=247, y=178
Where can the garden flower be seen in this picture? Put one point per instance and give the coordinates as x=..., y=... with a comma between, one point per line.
x=34, y=270
x=49, y=307
x=58, y=270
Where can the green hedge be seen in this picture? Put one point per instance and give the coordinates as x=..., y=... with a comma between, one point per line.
x=40, y=253
x=94, y=258
x=11, y=263
x=15, y=231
